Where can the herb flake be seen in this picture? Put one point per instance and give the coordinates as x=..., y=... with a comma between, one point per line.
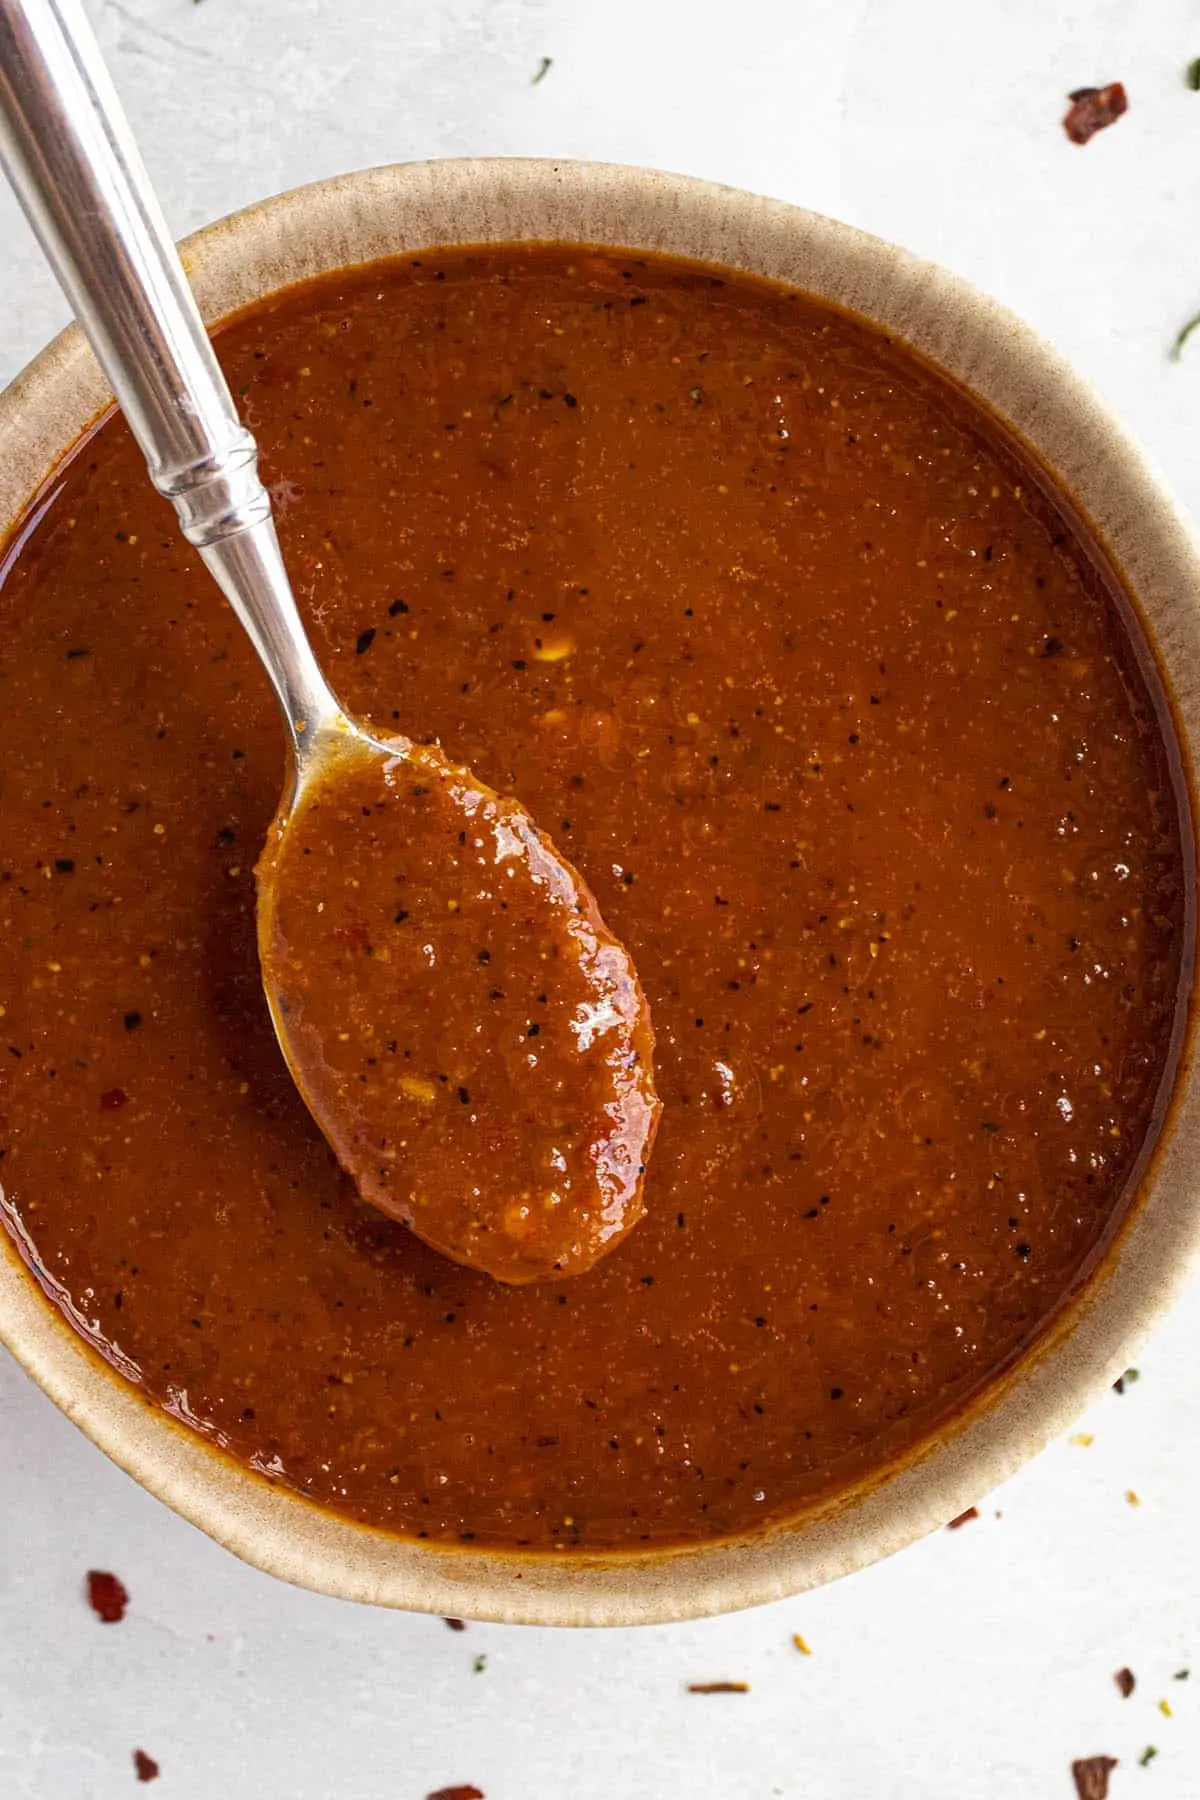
x=1181, y=337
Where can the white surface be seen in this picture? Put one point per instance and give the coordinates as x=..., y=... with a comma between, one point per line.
x=977, y=1665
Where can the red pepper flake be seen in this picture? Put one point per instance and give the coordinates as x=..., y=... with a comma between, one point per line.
x=1126, y=1681
x=1091, y=1776
x=107, y=1596
x=464, y=1792
x=146, y=1767
x=718, y=1687
x=964, y=1518
x=112, y=1099
x=455, y=1624
x=1092, y=108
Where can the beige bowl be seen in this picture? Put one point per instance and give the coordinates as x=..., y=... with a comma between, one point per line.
x=384, y=211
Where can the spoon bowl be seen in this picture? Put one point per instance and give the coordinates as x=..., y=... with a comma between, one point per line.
x=469, y=1035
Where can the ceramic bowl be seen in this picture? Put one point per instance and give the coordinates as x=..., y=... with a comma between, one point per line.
x=384, y=211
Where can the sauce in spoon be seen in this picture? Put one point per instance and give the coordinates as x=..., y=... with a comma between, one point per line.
x=471, y=1038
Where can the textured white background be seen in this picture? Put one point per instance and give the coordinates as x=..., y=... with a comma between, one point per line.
x=977, y=1665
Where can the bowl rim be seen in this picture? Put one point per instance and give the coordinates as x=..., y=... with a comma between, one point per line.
x=405, y=207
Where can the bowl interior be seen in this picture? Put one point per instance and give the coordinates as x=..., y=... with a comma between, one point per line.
x=386, y=211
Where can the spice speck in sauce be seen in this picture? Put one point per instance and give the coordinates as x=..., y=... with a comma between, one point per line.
x=106, y=1596
x=963, y=1518
x=718, y=1687
x=145, y=1767
x=1126, y=1682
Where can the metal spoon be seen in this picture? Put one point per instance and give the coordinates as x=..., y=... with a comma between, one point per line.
x=537, y=1172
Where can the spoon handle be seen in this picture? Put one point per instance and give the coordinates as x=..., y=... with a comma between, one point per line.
x=69, y=153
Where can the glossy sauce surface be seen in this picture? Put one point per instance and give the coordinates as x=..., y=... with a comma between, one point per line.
x=830, y=703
